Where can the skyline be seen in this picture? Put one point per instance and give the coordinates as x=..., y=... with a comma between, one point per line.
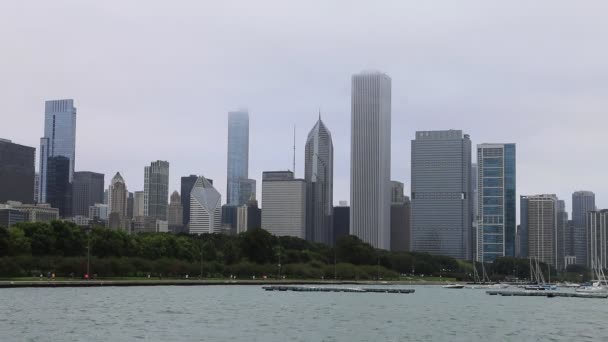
x=542, y=97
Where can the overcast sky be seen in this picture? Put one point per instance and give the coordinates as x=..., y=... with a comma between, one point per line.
x=155, y=80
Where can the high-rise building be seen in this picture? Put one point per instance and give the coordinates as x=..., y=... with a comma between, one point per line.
x=41, y=212
x=561, y=230
x=319, y=177
x=98, y=212
x=283, y=204
x=370, y=169
x=58, y=187
x=138, y=203
x=540, y=218
x=496, y=201
x=476, y=212
x=341, y=218
x=130, y=204
x=117, y=203
x=59, y=139
x=238, y=155
x=16, y=172
x=187, y=183
x=205, y=208
x=87, y=189
x=442, y=198
x=176, y=213
x=156, y=190
x=229, y=219
x=400, y=219
x=597, y=235
x=249, y=216
x=582, y=203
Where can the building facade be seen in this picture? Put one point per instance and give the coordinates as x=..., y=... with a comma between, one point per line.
x=496, y=221
x=370, y=171
x=283, y=204
x=319, y=177
x=176, y=214
x=87, y=189
x=561, y=231
x=187, y=183
x=156, y=190
x=17, y=174
x=582, y=203
x=400, y=219
x=205, y=208
x=41, y=212
x=442, y=201
x=117, y=203
x=238, y=155
x=541, y=225
x=138, y=203
x=341, y=221
x=58, y=187
x=249, y=216
x=597, y=244
x=59, y=139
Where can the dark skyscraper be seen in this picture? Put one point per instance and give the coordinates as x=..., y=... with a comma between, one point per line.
x=16, y=172
x=341, y=220
x=87, y=189
x=442, y=202
x=156, y=190
x=187, y=184
x=400, y=219
x=58, y=186
x=319, y=177
x=582, y=203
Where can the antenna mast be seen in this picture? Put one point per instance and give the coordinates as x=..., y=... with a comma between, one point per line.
x=294, y=151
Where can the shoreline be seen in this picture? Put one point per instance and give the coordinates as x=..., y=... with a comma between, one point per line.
x=173, y=282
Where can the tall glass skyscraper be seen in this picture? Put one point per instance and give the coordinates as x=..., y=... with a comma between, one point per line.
x=59, y=139
x=156, y=190
x=496, y=202
x=319, y=177
x=370, y=158
x=442, y=201
x=238, y=155
x=582, y=203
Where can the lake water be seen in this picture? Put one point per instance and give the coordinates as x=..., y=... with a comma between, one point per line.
x=248, y=313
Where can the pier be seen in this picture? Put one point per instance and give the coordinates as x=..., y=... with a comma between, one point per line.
x=549, y=293
x=336, y=289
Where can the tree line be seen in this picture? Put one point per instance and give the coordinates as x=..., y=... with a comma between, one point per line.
x=29, y=249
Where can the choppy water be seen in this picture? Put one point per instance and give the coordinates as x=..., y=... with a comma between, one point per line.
x=247, y=313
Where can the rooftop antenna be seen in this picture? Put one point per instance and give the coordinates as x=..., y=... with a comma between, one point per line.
x=294, y=151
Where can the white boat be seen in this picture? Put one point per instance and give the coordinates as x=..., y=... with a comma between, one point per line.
x=599, y=286
x=498, y=286
x=453, y=286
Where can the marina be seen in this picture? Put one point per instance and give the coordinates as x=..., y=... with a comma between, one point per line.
x=550, y=294
x=337, y=289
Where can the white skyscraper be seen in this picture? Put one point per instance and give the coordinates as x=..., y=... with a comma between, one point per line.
x=59, y=139
x=205, y=208
x=370, y=168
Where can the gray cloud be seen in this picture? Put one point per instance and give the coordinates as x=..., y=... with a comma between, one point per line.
x=155, y=80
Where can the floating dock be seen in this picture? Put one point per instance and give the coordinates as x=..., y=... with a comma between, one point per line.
x=546, y=293
x=336, y=289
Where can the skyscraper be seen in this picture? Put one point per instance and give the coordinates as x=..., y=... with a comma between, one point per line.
x=87, y=189
x=246, y=190
x=319, y=177
x=541, y=221
x=117, y=203
x=176, y=212
x=205, y=208
x=16, y=172
x=138, y=203
x=187, y=183
x=58, y=186
x=582, y=203
x=497, y=202
x=442, y=198
x=341, y=218
x=283, y=204
x=370, y=171
x=238, y=155
x=561, y=230
x=59, y=139
x=156, y=190
x=400, y=218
